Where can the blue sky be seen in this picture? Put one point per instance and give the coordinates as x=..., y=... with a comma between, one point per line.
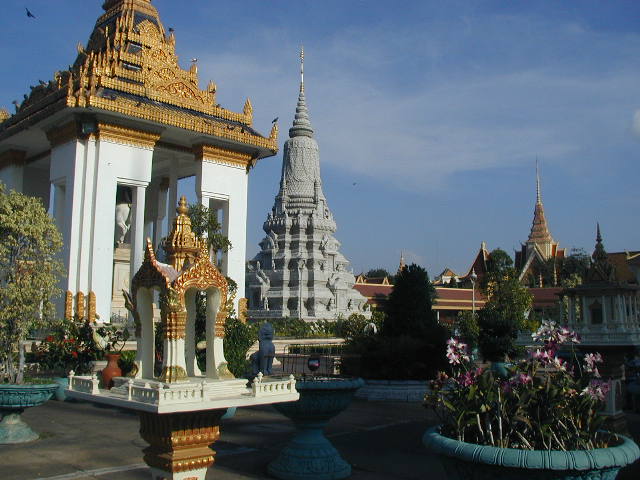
x=435, y=110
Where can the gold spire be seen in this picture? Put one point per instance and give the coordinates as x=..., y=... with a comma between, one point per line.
x=182, y=245
x=539, y=229
x=402, y=265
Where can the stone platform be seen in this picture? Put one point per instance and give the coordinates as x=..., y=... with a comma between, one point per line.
x=82, y=441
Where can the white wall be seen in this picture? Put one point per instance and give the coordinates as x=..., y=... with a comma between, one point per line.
x=90, y=171
x=219, y=184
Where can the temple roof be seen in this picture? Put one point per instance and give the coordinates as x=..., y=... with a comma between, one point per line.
x=129, y=66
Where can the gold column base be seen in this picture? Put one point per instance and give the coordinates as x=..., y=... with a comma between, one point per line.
x=179, y=442
x=173, y=374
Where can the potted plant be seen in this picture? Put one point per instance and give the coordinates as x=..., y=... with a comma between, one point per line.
x=29, y=273
x=541, y=421
x=69, y=345
x=112, y=339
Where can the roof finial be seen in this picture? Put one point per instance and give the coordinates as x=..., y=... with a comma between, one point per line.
x=302, y=68
x=598, y=236
x=538, y=195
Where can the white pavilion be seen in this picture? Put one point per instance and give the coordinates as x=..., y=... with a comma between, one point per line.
x=122, y=125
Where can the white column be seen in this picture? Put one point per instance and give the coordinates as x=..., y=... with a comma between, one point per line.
x=137, y=228
x=161, y=212
x=173, y=192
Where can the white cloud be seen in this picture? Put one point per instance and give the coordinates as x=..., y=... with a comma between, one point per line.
x=398, y=107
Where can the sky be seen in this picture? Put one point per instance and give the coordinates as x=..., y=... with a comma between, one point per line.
x=429, y=114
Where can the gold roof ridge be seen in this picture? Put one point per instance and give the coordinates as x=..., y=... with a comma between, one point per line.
x=130, y=66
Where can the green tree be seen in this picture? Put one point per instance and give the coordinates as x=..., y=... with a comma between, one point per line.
x=238, y=338
x=204, y=221
x=409, y=309
x=498, y=263
x=411, y=344
x=503, y=315
x=574, y=266
x=29, y=272
x=468, y=329
x=377, y=272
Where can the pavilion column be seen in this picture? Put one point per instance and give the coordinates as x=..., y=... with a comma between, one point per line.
x=173, y=191
x=137, y=228
x=174, y=366
x=161, y=211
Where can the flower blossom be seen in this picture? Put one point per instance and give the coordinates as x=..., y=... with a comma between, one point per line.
x=469, y=377
x=457, y=352
x=597, y=390
x=552, y=335
x=590, y=360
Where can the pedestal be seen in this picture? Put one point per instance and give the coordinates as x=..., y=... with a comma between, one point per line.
x=179, y=443
x=310, y=455
x=121, y=276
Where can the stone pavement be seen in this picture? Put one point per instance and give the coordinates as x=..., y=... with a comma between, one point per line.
x=81, y=441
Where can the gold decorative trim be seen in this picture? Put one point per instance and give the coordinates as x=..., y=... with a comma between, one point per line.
x=92, y=314
x=179, y=442
x=173, y=373
x=4, y=114
x=127, y=136
x=64, y=134
x=12, y=157
x=80, y=305
x=128, y=53
x=210, y=153
x=68, y=305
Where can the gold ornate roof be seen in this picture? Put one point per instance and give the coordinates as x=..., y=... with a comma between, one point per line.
x=129, y=66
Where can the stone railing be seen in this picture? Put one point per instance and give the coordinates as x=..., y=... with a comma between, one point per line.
x=272, y=387
x=84, y=384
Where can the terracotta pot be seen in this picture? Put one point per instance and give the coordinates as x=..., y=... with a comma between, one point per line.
x=111, y=370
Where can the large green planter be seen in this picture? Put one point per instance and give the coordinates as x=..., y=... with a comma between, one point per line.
x=13, y=400
x=468, y=461
x=310, y=455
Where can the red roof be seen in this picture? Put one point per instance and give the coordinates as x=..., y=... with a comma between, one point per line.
x=545, y=297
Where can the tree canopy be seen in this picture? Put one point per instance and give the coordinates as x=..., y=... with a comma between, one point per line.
x=504, y=313
x=377, y=272
x=204, y=221
x=29, y=272
x=409, y=308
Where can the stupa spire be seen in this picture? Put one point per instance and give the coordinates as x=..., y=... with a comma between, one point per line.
x=539, y=229
x=301, y=122
x=538, y=194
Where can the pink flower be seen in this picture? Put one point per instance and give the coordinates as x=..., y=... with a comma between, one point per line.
x=590, y=360
x=597, y=390
x=456, y=352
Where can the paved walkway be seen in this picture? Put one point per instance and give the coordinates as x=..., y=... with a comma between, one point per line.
x=81, y=441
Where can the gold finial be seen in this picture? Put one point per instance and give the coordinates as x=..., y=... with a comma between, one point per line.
x=302, y=68
x=182, y=206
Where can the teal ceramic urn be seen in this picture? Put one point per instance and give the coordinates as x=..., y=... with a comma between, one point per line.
x=468, y=461
x=310, y=455
x=13, y=400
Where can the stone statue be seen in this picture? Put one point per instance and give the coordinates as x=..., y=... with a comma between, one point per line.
x=123, y=213
x=262, y=360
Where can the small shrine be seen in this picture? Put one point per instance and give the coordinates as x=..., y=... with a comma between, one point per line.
x=180, y=411
x=605, y=312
